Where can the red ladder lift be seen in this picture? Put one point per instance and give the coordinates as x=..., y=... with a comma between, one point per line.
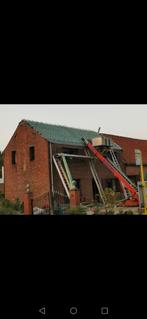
x=133, y=200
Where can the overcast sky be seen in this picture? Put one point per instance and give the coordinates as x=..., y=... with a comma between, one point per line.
x=126, y=120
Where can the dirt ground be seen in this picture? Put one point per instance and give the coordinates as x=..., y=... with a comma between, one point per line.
x=120, y=211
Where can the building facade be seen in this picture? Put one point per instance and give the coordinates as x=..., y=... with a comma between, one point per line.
x=127, y=156
x=28, y=162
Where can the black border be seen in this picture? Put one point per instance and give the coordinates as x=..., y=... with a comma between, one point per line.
x=85, y=260
x=99, y=84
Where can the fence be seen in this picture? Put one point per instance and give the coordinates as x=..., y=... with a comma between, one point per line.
x=61, y=201
x=41, y=204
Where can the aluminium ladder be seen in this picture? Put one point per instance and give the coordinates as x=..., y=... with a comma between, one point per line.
x=96, y=178
x=117, y=165
x=62, y=175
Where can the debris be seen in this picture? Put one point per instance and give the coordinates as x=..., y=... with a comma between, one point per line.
x=39, y=211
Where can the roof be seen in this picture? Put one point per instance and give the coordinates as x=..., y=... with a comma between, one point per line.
x=129, y=145
x=62, y=134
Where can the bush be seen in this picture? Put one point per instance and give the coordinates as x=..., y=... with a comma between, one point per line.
x=18, y=205
x=76, y=211
x=128, y=212
x=111, y=198
x=1, y=195
x=9, y=208
x=8, y=211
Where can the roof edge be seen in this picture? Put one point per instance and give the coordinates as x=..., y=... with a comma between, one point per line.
x=126, y=137
x=51, y=124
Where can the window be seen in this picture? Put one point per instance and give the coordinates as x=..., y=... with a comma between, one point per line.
x=32, y=153
x=77, y=183
x=95, y=190
x=109, y=183
x=78, y=186
x=13, y=157
x=135, y=178
x=113, y=183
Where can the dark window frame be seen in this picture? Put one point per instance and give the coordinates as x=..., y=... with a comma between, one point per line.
x=32, y=153
x=1, y=173
x=13, y=157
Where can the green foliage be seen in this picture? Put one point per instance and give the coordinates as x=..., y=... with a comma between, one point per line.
x=127, y=212
x=18, y=205
x=9, y=208
x=111, y=198
x=76, y=211
x=1, y=196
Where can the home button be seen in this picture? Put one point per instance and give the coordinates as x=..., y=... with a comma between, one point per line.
x=73, y=311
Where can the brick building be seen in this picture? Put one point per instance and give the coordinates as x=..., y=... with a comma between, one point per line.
x=127, y=155
x=2, y=188
x=28, y=162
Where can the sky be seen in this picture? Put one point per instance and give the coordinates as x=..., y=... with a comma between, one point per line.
x=123, y=120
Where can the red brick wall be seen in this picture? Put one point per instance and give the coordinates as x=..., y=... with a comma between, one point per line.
x=35, y=173
x=135, y=170
x=2, y=188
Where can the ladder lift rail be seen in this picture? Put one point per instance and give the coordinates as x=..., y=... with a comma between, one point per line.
x=98, y=184
x=62, y=176
x=114, y=158
x=63, y=173
x=70, y=179
x=117, y=165
x=96, y=178
x=122, y=177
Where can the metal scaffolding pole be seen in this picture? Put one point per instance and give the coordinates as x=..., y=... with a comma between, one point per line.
x=74, y=155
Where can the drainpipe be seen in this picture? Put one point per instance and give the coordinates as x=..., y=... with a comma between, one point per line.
x=51, y=175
